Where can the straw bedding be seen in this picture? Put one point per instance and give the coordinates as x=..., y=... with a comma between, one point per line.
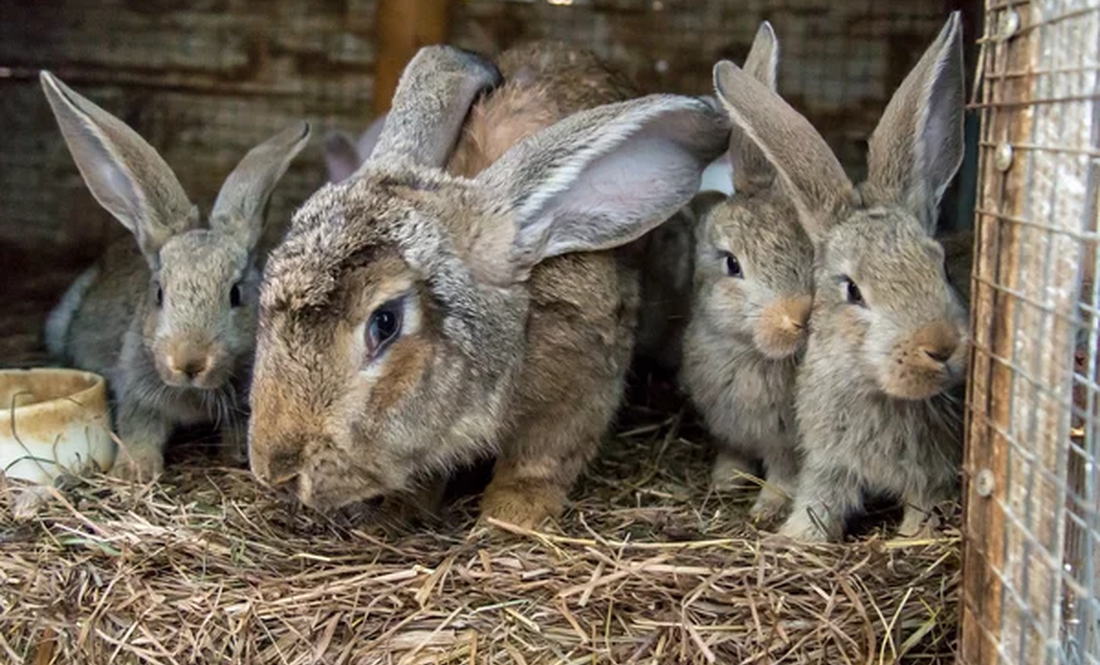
x=646, y=567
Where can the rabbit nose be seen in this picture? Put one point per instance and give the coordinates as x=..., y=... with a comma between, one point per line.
x=798, y=311
x=939, y=355
x=938, y=341
x=189, y=361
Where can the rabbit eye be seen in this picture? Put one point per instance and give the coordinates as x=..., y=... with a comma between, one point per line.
x=855, y=296
x=733, y=266
x=160, y=295
x=384, y=326
x=235, y=296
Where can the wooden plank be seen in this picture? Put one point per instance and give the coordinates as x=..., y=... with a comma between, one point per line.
x=1024, y=336
x=985, y=465
x=404, y=26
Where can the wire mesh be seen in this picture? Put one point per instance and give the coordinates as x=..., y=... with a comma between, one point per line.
x=1033, y=509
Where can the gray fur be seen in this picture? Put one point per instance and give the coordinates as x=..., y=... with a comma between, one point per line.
x=877, y=398
x=60, y=319
x=424, y=128
x=187, y=360
x=519, y=318
x=747, y=332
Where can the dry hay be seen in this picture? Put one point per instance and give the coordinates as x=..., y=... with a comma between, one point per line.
x=645, y=568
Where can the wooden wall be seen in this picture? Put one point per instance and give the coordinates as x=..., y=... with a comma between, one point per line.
x=205, y=80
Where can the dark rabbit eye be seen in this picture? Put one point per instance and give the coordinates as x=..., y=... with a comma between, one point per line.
x=733, y=266
x=235, y=296
x=160, y=295
x=384, y=326
x=855, y=296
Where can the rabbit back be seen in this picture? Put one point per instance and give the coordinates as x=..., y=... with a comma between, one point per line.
x=93, y=318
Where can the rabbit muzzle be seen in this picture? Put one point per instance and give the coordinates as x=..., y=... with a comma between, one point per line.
x=926, y=362
x=189, y=364
x=783, y=327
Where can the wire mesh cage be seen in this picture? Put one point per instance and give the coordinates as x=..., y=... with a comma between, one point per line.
x=1032, y=565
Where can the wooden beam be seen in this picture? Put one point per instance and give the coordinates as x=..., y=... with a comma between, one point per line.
x=403, y=27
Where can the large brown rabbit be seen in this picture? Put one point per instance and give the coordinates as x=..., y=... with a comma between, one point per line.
x=415, y=319
x=877, y=397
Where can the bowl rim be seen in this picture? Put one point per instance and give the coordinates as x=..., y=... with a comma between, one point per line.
x=98, y=382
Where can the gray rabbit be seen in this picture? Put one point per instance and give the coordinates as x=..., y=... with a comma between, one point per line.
x=753, y=289
x=171, y=319
x=877, y=396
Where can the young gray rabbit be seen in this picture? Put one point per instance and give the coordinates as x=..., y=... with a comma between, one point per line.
x=877, y=395
x=753, y=289
x=169, y=320
x=415, y=319
x=343, y=156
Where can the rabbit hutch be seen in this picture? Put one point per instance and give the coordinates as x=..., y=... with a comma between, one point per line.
x=648, y=564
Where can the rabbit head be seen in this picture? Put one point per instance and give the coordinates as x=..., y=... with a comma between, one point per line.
x=200, y=315
x=882, y=305
x=343, y=156
x=753, y=261
x=392, y=317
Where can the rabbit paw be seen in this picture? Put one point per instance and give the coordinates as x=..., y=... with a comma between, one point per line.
x=233, y=450
x=917, y=524
x=140, y=465
x=731, y=473
x=800, y=526
x=770, y=504
x=526, y=508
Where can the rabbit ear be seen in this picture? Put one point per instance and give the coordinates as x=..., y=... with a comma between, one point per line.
x=751, y=170
x=369, y=138
x=918, y=145
x=242, y=201
x=432, y=99
x=595, y=180
x=123, y=172
x=814, y=178
x=342, y=156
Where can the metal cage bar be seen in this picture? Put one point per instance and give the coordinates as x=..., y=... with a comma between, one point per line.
x=1032, y=520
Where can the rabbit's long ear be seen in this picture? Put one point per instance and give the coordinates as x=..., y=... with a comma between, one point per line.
x=342, y=156
x=815, y=180
x=751, y=170
x=432, y=99
x=242, y=201
x=124, y=173
x=595, y=180
x=918, y=145
x=369, y=138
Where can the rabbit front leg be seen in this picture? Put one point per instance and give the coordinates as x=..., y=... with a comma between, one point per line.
x=918, y=519
x=234, y=444
x=733, y=471
x=827, y=494
x=781, y=464
x=532, y=478
x=143, y=434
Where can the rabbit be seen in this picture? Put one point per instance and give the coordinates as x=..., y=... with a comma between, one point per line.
x=877, y=395
x=343, y=155
x=415, y=319
x=169, y=320
x=753, y=286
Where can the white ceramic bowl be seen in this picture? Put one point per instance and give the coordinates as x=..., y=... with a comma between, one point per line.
x=53, y=421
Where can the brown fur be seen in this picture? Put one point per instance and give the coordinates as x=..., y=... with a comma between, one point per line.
x=506, y=348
